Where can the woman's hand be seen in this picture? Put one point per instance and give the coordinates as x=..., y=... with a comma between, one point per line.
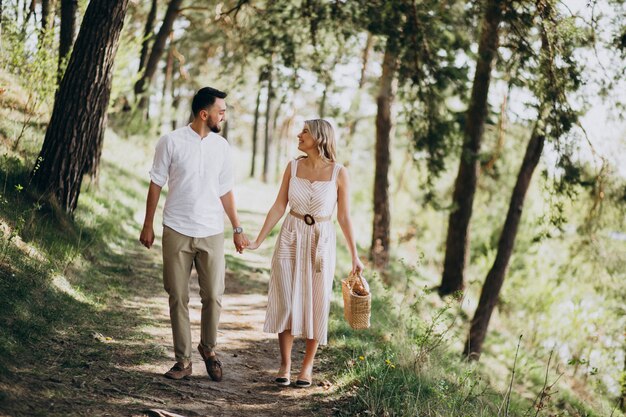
x=253, y=245
x=357, y=266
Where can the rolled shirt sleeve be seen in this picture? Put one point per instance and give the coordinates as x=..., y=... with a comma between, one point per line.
x=227, y=176
x=161, y=163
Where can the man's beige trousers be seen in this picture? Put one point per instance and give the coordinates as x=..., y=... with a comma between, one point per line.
x=180, y=252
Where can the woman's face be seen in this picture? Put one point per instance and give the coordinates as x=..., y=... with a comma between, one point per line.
x=306, y=142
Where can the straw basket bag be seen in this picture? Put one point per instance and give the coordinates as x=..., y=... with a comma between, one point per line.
x=357, y=301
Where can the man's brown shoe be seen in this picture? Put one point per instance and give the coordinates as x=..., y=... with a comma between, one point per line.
x=213, y=365
x=178, y=371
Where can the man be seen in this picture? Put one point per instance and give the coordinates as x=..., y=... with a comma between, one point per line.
x=197, y=163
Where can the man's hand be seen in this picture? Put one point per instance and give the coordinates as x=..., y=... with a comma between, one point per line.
x=241, y=242
x=147, y=236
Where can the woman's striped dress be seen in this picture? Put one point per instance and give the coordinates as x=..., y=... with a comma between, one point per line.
x=303, y=265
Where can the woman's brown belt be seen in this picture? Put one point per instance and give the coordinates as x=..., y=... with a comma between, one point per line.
x=310, y=220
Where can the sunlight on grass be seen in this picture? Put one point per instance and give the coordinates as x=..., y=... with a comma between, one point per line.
x=63, y=285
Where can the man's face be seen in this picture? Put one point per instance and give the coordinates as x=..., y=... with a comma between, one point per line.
x=215, y=115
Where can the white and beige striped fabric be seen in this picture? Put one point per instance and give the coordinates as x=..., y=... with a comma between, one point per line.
x=303, y=265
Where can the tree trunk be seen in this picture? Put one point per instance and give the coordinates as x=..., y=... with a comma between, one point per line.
x=147, y=37
x=167, y=81
x=47, y=14
x=68, y=30
x=175, y=93
x=175, y=86
x=276, y=134
x=157, y=51
x=355, y=105
x=225, y=126
x=457, y=241
x=379, y=252
x=47, y=19
x=27, y=15
x=495, y=278
x=322, y=108
x=73, y=140
x=268, y=137
x=255, y=129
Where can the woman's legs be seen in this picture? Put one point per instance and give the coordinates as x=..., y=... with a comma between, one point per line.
x=285, y=342
x=306, y=371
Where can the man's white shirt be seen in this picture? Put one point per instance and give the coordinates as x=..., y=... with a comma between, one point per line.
x=200, y=171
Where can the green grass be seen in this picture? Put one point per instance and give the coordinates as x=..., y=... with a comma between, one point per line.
x=397, y=367
x=62, y=281
x=409, y=364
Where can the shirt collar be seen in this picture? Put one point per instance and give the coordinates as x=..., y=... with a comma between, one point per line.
x=195, y=134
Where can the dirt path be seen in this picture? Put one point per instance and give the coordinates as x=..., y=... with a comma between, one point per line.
x=109, y=360
x=250, y=358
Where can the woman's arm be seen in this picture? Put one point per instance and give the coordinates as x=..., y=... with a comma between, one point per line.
x=276, y=212
x=343, y=217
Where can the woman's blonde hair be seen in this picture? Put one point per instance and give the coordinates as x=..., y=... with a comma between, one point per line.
x=324, y=136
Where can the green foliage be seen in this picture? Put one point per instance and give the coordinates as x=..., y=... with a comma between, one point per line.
x=428, y=39
x=564, y=289
x=36, y=67
x=58, y=275
x=403, y=366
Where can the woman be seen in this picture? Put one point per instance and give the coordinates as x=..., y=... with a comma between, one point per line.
x=303, y=265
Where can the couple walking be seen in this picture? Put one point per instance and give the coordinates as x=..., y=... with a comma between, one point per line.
x=197, y=164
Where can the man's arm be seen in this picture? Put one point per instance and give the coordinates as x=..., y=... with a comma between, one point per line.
x=228, y=202
x=147, y=232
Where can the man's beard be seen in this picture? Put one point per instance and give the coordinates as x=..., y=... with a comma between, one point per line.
x=214, y=128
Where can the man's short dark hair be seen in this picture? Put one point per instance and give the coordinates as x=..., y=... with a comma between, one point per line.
x=204, y=98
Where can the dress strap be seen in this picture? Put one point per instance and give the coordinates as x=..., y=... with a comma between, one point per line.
x=294, y=167
x=336, y=171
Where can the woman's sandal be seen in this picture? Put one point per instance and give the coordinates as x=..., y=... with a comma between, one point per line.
x=283, y=381
x=303, y=383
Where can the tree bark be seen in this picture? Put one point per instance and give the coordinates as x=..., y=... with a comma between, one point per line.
x=268, y=137
x=73, y=140
x=68, y=31
x=147, y=37
x=157, y=51
x=167, y=80
x=47, y=14
x=47, y=19
x=354, y=107
x=457, y=241
x=495, y=278
x=379, y=251
x=276, y=134
x=255, y=129
x=225, y=127
x=26, y=14
x=175, y=93
x=322, y=107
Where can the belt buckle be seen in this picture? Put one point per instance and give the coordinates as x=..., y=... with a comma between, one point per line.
x=308, y=219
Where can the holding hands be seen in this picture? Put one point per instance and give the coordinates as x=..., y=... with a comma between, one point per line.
x=253, y=245
x=241, y=241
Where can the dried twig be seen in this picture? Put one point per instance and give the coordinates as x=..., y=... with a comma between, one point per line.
x=508, y=393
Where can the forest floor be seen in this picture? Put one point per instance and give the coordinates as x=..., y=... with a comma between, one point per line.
x=110, y=363
x=107, y=353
